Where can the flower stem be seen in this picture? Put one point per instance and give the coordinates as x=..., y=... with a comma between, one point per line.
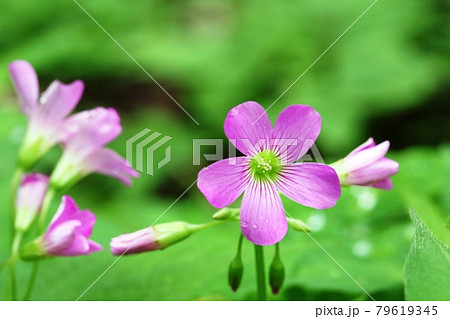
x=31, y=281
x=17, y=177
x=15, y=240
x=44, y=210
x=43, y=214
x=260, y=277
x=12, y=270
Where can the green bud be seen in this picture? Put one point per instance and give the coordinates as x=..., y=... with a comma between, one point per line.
x=298, y=225
x=170, y=233
x=226, y=213
x=276, y=272
x=235, y=272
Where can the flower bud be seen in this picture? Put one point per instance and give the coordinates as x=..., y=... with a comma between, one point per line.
x=153, y=238
x=367, y=166
x=30, y=196
x=235, y=272
x=298, y=225
x=276, y=273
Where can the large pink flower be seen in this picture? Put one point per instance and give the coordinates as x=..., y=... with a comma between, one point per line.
x=69, y=231
x=46, y=114
x=367, y=166
x=268, y=167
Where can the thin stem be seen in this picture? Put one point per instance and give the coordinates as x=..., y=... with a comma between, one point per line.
x=241, y=238
x=44, y=210
x=15, y=181
x=41, y=226
x=12, y=271
x=31, y=281
x=260, y=277
x=206, y=225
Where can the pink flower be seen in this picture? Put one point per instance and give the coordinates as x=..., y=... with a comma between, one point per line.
x=30, y=196
x=268, y=167
x=153, y=238
x=69, y=231
x=45, y=115
x=85, y=134
x=367, y=166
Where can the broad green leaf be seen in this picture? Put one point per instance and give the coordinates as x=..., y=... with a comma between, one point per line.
x=427, y=271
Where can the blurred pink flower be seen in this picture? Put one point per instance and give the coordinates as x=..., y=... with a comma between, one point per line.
x=83, y=139
x=30, y=196
x=45, y=114
x=367, y=166
x=69, y=231
x=269, y=167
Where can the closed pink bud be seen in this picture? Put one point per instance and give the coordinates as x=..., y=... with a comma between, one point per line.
x=367, y=166
x=30, y=196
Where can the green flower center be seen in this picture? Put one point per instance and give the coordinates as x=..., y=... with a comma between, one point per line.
x=265, y=166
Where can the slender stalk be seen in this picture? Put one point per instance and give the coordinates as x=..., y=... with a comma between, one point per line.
x=15, y=240
x=44, y=210
x=41, y=226
x=15, y=181
x=260, y=277
x=206, y=225
x=12, y=271
x=241, y=238
x=31, y=281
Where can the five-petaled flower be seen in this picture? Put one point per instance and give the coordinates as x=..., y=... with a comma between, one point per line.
x=69, y=231
x=367, y=166
x=268, y=167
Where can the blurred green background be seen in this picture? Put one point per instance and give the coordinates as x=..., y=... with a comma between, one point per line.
x=386, y=78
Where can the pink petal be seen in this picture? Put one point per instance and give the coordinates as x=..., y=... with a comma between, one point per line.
x=248, y=127
x=87, y=131
x=368, y=144
x=78, y=246
x=383, y=184
x=263, y=221
x=108, y=162
x=366, y=157
x=134, y=243
x=26, y=84
x=59, y=100
x=310, y=184
x=94, y=246
x=224, y=181
x=69, y=211
x=379, y=170
x=60, y=237
x=65, y=211
x=295, y=131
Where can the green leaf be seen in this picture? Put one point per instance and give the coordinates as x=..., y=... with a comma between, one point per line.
x=427, y=271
